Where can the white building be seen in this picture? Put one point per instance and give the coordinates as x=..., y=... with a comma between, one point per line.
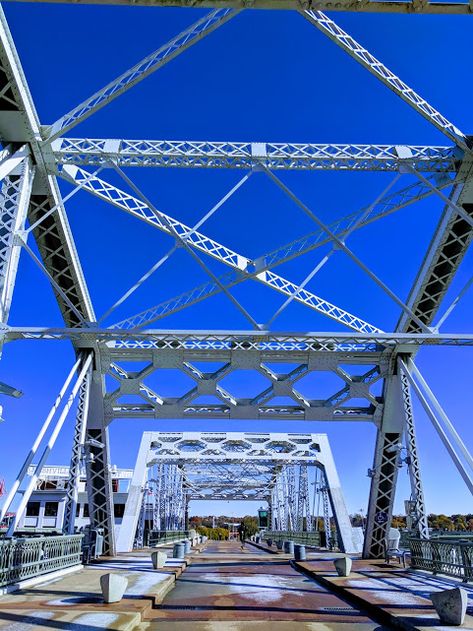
x=45, y=508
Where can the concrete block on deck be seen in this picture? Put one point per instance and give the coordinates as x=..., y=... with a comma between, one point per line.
x=158, y=559
x=113, y=587
x=343, y=566
x=450, y=605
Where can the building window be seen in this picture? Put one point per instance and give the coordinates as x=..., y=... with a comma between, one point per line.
x=118, y=510
x=115, y=485
x=32, y=509
x=50, y=509
x=77, y=510
x=86, y=510
x=45, y=485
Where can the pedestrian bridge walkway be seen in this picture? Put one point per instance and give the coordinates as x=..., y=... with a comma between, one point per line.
x=224, y=587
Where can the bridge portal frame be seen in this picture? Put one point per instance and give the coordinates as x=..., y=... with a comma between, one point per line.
x=34, y=155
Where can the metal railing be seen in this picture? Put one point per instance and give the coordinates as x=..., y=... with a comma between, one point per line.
x=443, y=556
x=156, y=537
x=304, y=538
x=26, y=558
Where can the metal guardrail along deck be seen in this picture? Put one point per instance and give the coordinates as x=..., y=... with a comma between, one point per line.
x=442, y=556
x=26, y=558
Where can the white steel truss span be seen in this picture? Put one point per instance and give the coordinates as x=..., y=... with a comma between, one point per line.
x=371, y=366
x=247, y=155
x=232, y=466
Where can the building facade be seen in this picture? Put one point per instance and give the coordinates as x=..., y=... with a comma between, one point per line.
x=45, y=509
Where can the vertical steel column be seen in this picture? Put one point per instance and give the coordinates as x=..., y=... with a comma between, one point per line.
x=325, y=505
x=140, y=531
x=384, y=471
x=15, y=194
x=417, y=491
x=98, y=469
x=303, y=504
x=291, y=497
x=157, y=495
x=77, y=456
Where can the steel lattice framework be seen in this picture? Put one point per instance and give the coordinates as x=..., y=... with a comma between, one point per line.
x=177, y=467
x=34, y=156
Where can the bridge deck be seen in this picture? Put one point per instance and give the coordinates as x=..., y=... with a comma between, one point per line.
x=226, y=584
x=226, y=588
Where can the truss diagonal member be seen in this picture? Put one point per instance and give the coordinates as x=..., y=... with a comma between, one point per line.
x=72, y=488
x=183, y=240
x=326, y=258
x=245, y=155
x=11, y=159
x=56, y=207
x=445, y=253
x=341, y=244
x=29, y=459
x=392, y=203
x=144, y=68
x=15, y=193
x=417, y=490
x=453, y=304
x=435, y=413
x=379, y=70
x=51, y=279
x=47, y=450
x=171, y=251
x=458, y=209
x=241, y=264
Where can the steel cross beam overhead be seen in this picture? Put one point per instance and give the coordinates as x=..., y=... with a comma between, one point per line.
x=138, y=208
x=366, y=6
x=232, y=465
x=246, y=155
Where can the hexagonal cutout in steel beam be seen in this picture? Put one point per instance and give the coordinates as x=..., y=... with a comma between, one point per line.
x=191, y=445
x=319, y=385
x=245, y=384
x=169, y=382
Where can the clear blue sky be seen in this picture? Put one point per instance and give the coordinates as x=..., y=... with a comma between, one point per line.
x=265, y=76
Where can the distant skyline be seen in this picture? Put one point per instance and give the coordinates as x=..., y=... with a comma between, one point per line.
x=264, y=76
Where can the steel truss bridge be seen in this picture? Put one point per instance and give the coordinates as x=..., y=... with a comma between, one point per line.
x=35, y=156
x=173, y=468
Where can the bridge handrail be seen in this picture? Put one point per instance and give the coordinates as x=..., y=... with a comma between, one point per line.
x=443, y=556
x=311, y=538
x=29, y=557
x=166, y=536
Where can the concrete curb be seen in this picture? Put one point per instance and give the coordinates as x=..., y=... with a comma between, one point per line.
x=38, y=580
x=377, y=612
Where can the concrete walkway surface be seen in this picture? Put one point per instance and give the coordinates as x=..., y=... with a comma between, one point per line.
x=250, y=589
x=396, y=596
x=75, y=602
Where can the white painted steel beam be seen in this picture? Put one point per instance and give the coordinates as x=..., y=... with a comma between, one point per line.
x=246, y=155
x=389, y=204
x=242, y=264
x=379, y=70
x=140, y=71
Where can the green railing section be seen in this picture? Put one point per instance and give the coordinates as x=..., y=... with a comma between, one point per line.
x=304, y=538
x=26, y=558
x=443, y=556
x=156, y=537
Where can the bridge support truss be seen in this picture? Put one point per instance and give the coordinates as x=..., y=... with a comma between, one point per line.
x=34, y=155
x=176, y=468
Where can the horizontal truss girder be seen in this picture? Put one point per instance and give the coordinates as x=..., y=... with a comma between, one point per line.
x=125, y=341
x=246, y=155
x=365, y=6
